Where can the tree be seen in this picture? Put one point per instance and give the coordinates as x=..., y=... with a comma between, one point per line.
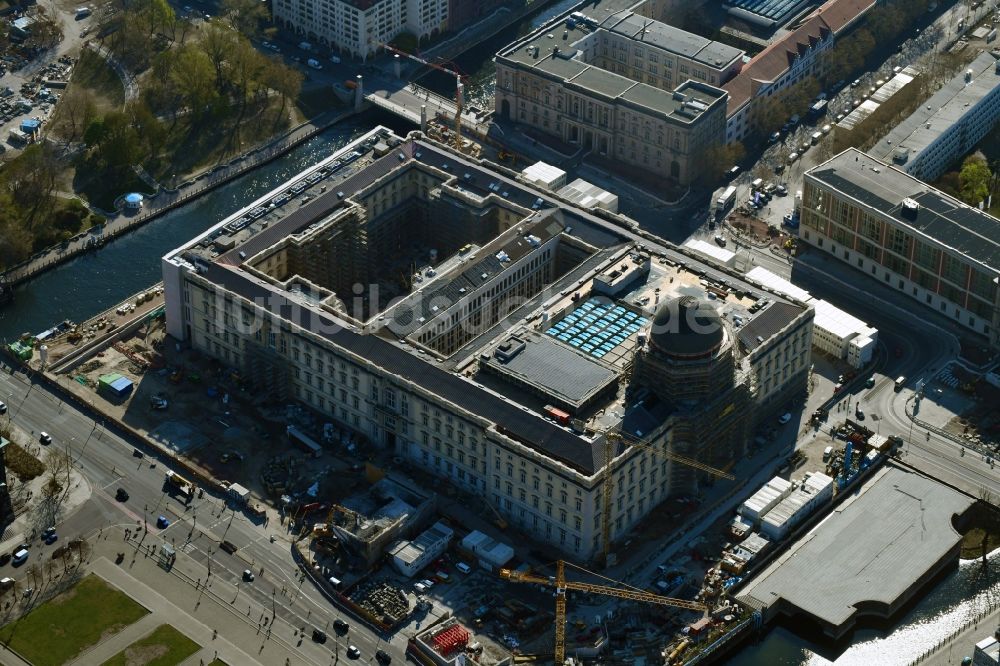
x=32, y=178
x=193, y=73
x=974, y=179
x=75, y=111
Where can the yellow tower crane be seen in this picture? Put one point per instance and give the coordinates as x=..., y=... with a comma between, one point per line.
x=611, y=439
x=560, y=583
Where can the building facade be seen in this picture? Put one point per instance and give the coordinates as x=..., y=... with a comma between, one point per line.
x=952, y=122
x=796, y=56
x=295, y=333
x=629, y=88
x=358, y=28
x=923, y=243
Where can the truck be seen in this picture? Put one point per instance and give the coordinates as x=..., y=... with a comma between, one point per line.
x=178, y=482
x=818, y=109
x=726, y=200
x=83, y=12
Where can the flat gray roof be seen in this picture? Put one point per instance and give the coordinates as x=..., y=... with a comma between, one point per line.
x=963, y=228
x=603, y=82
x=669, y=38
x=945, y=108
x=553, y=368
x=871, y=549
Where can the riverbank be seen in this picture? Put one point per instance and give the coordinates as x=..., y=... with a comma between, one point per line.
x=167, y=199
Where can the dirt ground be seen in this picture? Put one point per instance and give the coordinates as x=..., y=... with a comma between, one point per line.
x=211, y=418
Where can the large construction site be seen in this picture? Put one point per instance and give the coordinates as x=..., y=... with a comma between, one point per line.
x=491, y=335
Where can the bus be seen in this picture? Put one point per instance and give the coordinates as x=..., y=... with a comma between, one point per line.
x=723, y=203
x=304, y=441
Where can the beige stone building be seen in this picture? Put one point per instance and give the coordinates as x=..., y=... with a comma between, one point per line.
x=625, y=86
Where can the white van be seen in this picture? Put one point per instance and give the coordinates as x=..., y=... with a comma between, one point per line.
x=464, y=568
x=757, y=183
x=20, y=557
x=827, y=452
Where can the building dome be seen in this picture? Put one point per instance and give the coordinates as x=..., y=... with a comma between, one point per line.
x=686, y=327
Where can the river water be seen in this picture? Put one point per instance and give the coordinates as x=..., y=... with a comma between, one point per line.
x=97, y=281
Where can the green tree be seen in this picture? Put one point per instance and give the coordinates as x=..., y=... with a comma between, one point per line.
x=974, y=179
x=194, y=74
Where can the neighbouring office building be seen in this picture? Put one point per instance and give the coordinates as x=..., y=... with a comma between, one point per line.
x=949, y=125
x=918, y=240
x=623, y=85
x=358, y=28
x=489, y=333
x=797, y=55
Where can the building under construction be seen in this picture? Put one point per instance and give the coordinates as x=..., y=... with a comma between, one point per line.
x=491, y=334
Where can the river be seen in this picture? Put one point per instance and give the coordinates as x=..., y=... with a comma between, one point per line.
x=94, y=282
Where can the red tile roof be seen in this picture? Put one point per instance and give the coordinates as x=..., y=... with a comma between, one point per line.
x=772, y=62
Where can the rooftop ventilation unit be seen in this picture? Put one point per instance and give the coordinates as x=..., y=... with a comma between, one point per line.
x=910, y=208
x=968, y=76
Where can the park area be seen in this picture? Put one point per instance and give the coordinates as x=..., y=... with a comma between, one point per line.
x=83, y=616
x=165, y=646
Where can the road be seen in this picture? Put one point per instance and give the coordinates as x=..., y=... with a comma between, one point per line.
x=107, y=462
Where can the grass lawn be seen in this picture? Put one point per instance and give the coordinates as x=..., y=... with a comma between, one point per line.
x=164, y=647
x=58, y=630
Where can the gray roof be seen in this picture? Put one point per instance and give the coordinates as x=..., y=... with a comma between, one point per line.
x=871, y=549
x=775, y=317
x=554, y=368
x=945, y=108
x=772, y=9
x=674, y=40
x=940, y=217
x=602, y=82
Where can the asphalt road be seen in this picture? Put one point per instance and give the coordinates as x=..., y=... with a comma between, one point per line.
x=107, y=462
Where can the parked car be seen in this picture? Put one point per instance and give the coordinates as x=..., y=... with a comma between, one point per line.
x=720, y=240
x=3, y=408
x=784, y=418
x=382, y=657
x=20, y=557
x=49, y=535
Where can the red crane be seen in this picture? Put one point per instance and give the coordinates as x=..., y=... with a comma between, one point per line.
x=459, y=87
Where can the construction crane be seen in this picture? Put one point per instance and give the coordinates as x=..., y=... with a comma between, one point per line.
x=459, y=87
x=561, y=584
x=611, y=438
